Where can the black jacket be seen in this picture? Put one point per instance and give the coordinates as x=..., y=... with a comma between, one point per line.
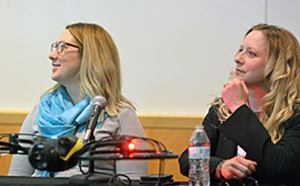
x=277, y=164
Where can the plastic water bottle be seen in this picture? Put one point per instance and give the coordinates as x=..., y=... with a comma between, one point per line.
x=199, y=154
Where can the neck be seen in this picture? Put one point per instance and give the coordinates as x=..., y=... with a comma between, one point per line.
x=74, y=93
x=255, y=96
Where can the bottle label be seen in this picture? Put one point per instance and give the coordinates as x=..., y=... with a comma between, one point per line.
x=199, y=152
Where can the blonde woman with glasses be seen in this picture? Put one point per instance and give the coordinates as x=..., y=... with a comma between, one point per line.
x=85, y=64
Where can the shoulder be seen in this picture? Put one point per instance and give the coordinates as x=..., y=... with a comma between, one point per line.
x=293, y=121
x=215, y=105
x=29, y=125
x=212, y=115
x=128, y=115
x=125, y=116
x=126, y=111
x=129, y=122
x=33, y=113
x=35, y=110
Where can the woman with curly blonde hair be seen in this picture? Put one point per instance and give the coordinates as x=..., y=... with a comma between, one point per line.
x=254, y=128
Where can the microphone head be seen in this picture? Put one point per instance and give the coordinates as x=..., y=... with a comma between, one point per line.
x=99, y=100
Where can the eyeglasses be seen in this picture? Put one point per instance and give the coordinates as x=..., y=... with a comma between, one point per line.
x=60, y=46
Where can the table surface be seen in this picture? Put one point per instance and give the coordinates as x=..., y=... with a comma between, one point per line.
x=37, y=181
x=26, y=181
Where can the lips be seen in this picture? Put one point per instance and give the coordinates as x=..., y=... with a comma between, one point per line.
x=239, y=71
x=55, y=66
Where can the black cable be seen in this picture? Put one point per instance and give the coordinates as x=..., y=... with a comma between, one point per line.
x=118, y=177
x=18, y=147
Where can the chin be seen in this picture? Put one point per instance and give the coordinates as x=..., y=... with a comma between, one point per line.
x=54, y=78
x=239, y=78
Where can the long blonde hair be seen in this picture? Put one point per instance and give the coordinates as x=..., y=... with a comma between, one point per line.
x=281, y=75
x=100, y=71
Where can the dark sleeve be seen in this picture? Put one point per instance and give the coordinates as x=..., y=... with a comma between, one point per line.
x=274, y=160
x=184, y=163
x=211, y=124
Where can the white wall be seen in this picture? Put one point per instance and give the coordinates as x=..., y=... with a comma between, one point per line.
x=175, y=54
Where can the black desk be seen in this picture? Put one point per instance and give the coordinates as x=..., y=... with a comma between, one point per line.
x=26, y=181
x=34, y=181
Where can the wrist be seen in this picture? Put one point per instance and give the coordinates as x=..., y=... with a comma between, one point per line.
x=218, y=169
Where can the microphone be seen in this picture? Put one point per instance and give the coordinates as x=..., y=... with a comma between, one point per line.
x=99, y=102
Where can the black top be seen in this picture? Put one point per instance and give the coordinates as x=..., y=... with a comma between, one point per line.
x=277, y=164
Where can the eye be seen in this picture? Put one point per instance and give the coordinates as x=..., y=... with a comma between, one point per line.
x=252, y=53
x=240, y=50
x=60, y=45
x=64, y=46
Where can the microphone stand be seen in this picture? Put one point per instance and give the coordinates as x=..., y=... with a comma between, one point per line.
x=91, y=177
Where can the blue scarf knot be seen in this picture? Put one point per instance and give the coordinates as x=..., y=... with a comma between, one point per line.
x=58, y=116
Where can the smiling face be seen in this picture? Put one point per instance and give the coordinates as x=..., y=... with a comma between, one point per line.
x=252, y=59
x=66, y=65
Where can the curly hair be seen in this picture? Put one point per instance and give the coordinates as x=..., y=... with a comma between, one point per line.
x=281, y=75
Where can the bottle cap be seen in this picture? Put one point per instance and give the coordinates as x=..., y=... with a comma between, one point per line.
x=199, y=127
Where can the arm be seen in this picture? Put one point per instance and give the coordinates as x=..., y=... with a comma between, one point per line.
x=20, y=165
x=130, y=125
x=274, y=160
x=184, y=163
x=211, y=123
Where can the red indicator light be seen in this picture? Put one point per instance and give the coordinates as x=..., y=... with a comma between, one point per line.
x=131, y=146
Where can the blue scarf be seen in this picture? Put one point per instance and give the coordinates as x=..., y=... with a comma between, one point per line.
x=58, y=116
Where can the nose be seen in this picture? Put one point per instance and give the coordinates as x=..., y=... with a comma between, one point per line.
x=53, y=54
x=238, y=59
